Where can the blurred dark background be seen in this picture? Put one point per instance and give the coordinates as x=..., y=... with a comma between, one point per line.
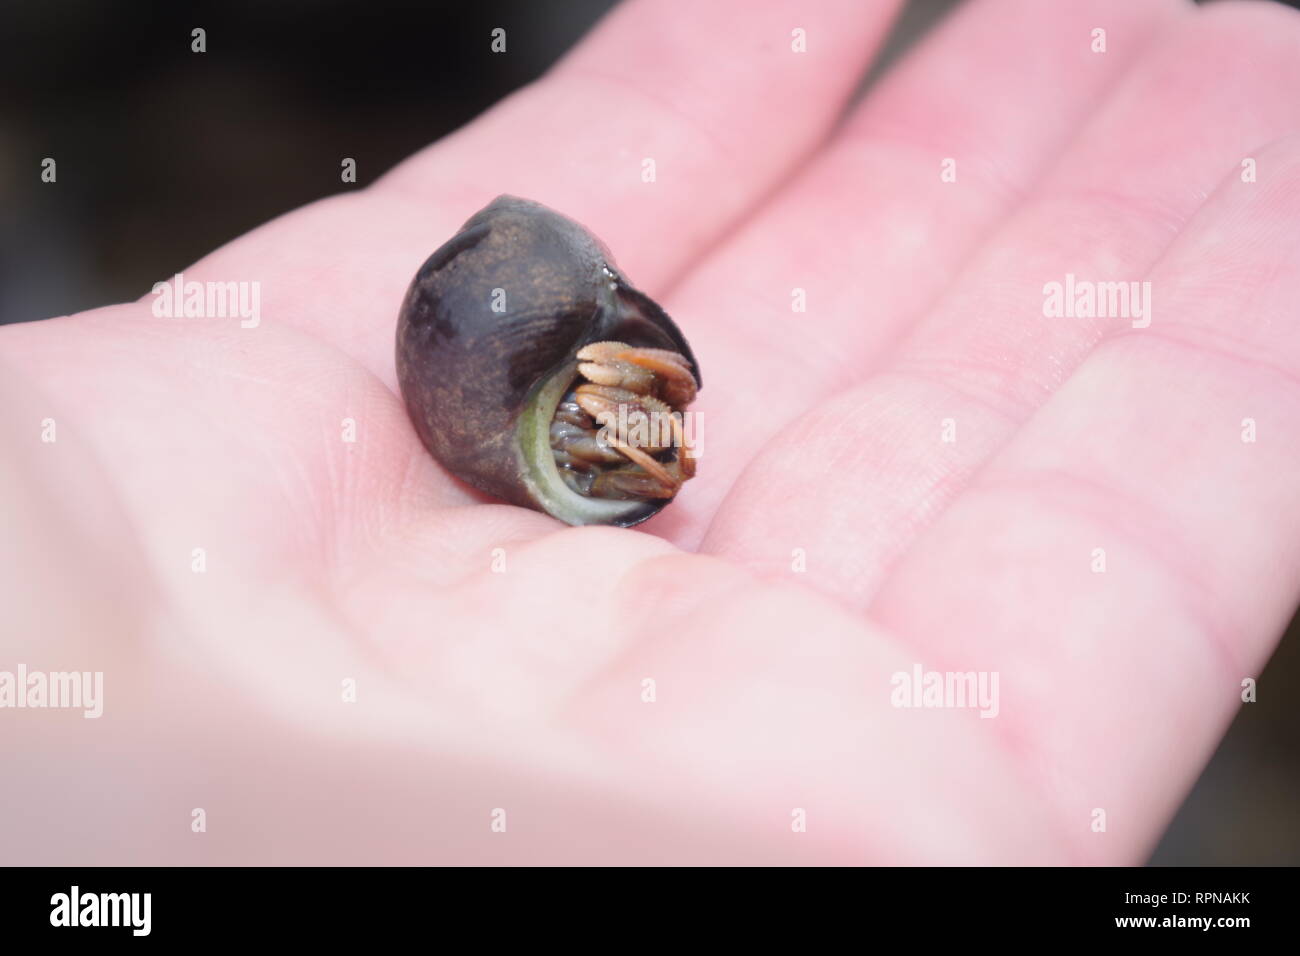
x=164, y=155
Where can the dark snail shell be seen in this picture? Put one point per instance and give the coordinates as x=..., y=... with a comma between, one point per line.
x=486, y=344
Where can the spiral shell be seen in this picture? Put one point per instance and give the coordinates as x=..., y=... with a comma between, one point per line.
x=487, y=350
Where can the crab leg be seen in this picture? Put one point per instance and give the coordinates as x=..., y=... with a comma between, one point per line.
x=635, y=381
x=640, y=370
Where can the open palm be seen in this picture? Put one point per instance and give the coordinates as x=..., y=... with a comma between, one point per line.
x=904, y=463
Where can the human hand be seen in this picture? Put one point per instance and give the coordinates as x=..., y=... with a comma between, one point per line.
x=499, y=659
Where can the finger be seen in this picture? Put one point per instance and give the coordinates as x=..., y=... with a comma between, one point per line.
x=698, y=95
x=1134, y=554
x=268, y=462
x=68, y=554
x=870, y=231
x=905, y=441
x=718, y=101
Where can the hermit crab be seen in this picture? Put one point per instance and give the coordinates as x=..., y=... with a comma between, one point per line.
x=533, y=370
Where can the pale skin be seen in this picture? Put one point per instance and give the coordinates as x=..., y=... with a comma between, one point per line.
x=921, y=468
